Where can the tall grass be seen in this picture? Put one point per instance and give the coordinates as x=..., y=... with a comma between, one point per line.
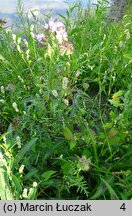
x=65, y=107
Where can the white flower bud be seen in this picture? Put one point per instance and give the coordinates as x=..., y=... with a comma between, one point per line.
x=120, y=44
x=24, y=194
x=128, y=35
x=20, y=79
x=31, y=28
x=18, y=48
x=2, y=101
x=35, y=184
x=15, y=107
x=2, y=160
x=18, y=40
x=18, y=142
x=54, y=92
x=4, y=139
x=14, y=38
x=2, y=90
x=25, y=42
x=8, y=154
x=27, y=53
x=66, y=102
x=21, y=168
x=65, y=83
x=78, y=73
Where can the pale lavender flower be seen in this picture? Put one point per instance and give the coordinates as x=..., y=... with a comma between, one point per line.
x=52, y=26
x=39, y=37
x=61, y=36
x=58, y=28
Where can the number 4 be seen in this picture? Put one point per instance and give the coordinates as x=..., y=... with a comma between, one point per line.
x=123, y=207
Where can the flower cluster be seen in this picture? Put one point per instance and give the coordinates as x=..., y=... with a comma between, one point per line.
x=57, y=31
x=83, y=163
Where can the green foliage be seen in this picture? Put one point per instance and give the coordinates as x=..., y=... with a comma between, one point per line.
x=65, y=107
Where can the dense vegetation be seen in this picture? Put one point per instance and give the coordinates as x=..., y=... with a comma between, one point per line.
x=65, y=106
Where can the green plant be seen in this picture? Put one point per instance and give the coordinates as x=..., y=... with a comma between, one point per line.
x=65, y=106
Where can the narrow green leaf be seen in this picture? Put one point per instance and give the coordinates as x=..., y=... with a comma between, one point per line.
x=47, y=175
x=111, y=191
x=37, y=62
x=23, y=151
x=117, y=94
x=17, y=184
x=99, y=192
x=5, y=134
x=61, y=16
x=5, y=190
x=30, y=174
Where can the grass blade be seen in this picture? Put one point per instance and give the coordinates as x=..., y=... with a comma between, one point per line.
x=23, y=151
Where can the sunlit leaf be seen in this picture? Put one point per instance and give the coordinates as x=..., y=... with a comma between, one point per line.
x=68, y=134
x=72, y=144
x=48, y=174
